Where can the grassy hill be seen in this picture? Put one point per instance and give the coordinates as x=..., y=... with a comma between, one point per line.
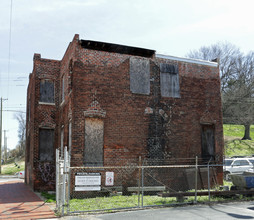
x=13, y=166
x=234, y=146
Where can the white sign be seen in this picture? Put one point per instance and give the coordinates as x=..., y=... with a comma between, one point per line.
x=87, y=181
x=109, y=180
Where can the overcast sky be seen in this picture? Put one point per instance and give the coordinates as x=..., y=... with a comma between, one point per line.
x=172, y=27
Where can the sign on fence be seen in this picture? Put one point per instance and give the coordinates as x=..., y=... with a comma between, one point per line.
x=109, y=180
x=87, y=181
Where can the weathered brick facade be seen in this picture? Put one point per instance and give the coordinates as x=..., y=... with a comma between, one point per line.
x=96, y=87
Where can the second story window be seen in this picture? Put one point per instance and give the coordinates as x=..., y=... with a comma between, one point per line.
x=140, y=76
x=169, y=80
x=47, y=91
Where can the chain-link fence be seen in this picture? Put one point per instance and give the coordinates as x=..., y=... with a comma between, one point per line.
x=137, y=184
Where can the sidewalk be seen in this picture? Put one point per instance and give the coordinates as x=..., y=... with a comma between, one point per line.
x=17, y=201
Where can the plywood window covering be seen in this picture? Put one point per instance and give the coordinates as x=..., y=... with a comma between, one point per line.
x=140, y=76
x=94, y=141
x=169, y=80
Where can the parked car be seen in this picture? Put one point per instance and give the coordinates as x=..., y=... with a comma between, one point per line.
x=21, y=174
x=237, y=166
x=251, y=160
x=227, y=163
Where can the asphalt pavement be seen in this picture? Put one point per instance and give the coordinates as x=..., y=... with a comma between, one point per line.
x=224, y=211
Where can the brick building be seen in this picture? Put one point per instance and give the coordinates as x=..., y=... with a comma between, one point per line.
x=109, y=103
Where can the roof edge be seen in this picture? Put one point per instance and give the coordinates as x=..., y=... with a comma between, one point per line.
x=117, y=48
x=187, y=60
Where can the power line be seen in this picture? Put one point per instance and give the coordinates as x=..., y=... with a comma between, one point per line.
x=9, y=57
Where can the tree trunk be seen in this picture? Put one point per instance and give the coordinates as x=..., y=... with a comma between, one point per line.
x=246, y=132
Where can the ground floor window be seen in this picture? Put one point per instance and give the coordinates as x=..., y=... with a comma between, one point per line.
x=94, y=141
x=46, y=144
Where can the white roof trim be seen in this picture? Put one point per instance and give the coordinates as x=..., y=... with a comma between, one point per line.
x=187, y=60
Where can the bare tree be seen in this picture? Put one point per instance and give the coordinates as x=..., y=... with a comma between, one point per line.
x=226, y=53
x=237, y=82
x=238, y=99
x=20, y=117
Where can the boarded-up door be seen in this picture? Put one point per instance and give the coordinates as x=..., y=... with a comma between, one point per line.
x=208, y=145
x=93, y=153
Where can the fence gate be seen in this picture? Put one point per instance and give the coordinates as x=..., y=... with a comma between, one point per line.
x=62, y=179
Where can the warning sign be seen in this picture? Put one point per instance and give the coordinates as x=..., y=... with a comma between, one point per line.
x=109, y=180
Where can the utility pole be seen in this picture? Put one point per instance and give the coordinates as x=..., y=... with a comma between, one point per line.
x=5, y=147
x=1, y=118
x=1, y=124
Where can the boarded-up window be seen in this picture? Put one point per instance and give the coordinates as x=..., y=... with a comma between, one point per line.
x=208, y=144
x=169, y=80
x=93, y=153
x=140, y=76
x=47, y=91
x=46, y=145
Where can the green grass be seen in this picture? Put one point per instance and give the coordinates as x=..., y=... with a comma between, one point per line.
x=114, y=202
x=10, y=168
x=234, y=146
x=49, y=198
x=236, y=130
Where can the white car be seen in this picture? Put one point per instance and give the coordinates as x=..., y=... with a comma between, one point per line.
x=227, y=163
x=237, y=166
x=21, y=174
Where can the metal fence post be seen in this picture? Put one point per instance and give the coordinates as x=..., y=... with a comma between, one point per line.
x=208, y=178
x=64, y=179
x=69, y=182
x=57, y=180
x=139, y=179
x=142, y=185
x=196, y=179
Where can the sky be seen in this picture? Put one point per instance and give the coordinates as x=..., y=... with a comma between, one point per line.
x=171, y=27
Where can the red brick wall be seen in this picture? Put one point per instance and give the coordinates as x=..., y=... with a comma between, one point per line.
x=42, y=115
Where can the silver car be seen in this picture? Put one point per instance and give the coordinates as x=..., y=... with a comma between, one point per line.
x=237, y=166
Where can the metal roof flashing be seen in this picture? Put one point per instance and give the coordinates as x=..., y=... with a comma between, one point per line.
x=187, y=60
